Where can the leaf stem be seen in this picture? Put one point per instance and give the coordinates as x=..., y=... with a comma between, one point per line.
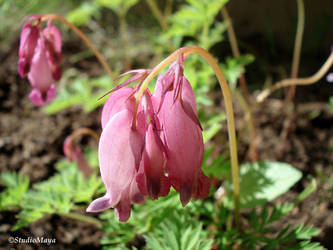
x=228, y=104
x=84, y=38
x=297, y=81
x=83, y=218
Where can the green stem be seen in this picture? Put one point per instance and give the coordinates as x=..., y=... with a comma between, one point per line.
x=228, y=104
x=168, y=8
x=83, y=218
x=253, y=152
x=84, y=38
x=294, y=68
x=125, y=40
x=157, y=13
x=297, y=81
x=297, y=48
x=235, y=49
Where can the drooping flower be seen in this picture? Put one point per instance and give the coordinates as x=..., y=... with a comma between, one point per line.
x=40, y=76
x=181, y=134
x=184, y=143
x=163, y=149
x=39, y=59
x=74, y=153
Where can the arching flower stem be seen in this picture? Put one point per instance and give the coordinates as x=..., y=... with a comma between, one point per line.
x=186, y=51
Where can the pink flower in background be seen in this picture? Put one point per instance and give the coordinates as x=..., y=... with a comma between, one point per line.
x=39, y=59
x=74, y=153
x=165, y=148
x=329, y=77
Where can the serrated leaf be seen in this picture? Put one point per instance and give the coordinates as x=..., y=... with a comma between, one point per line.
x=306, y=232
x=234, y=67
x=264, y=181
x=306, y=192
x=17, y=185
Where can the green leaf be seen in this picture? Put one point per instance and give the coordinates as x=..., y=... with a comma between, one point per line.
x=83, y=14
x=82, y=91
x=234, y=67
x=261, y=182
x=306, y=192
x=16, y=186
x=306, y=233
x=119, y=6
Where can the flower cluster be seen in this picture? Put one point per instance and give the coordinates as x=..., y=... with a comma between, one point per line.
x=39, y=59
x=164, y=148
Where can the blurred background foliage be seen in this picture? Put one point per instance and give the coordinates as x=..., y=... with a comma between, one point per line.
x=130, y=34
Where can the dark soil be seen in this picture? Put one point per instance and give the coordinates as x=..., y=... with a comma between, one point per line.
x=31, y=142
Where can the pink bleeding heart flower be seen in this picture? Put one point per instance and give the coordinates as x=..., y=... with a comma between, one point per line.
x=74, y=153
x=39, y=59
x=164, y=148
x=40, y=76
x=182, y=136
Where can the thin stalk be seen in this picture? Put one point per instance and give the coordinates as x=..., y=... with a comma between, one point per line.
x=297, y=48
x=294, y=68
x=125, y=40
x=297, y=81
x=157, y=13
x=228, y=104
x=253, y=152
x=84, y=131
x=83, y=218
x=84, y=38
x=168, y=8
x=235, y=49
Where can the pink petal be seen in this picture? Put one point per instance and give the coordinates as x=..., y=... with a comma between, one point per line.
x=154, y=164
x=184, y=142
x=118, y=101
x=123, y=207
x=53, y=48
x=28, y=43
x=202, y=190
x=120, y=147
x=99, y=204
x=39, y=98
x=40, y=75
